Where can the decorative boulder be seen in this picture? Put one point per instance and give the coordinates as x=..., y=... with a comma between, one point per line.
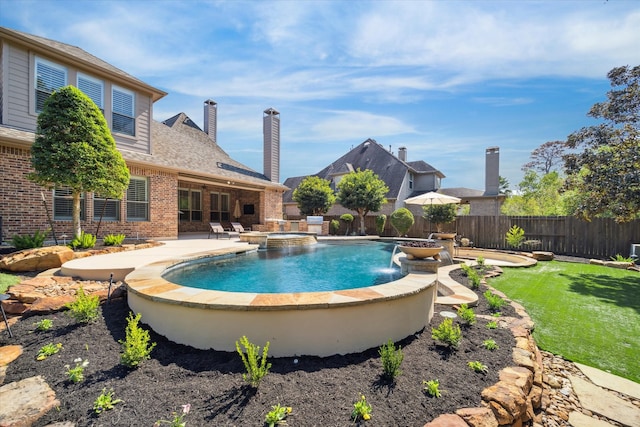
x=37, y=259
x=542, y=255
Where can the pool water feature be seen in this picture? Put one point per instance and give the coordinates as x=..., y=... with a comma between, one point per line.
x=317, y=268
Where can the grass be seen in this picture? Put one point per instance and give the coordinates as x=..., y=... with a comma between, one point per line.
x=7, y=280
x=587, y=313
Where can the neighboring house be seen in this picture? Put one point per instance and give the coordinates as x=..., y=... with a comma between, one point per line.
x=489, y=201
x=180, y=177
x=405, y=179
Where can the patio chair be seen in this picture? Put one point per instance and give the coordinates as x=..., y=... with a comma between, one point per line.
x=217, y=229
x=237, y=227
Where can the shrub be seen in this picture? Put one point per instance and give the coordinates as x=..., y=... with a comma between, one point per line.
x=76, y=373
x=515, y=236
x=492, y=325
x=136, y=347
x=477, y=366
x=48, y=350
x=401, y=219
x=29, y=241
x=467, y=314
x=472, y=275
x=83, y=241
x=85, y=307
x=277, y=415
x=256, y=369
x=432, y=388
x=620, y=258
x=334, y=225
x=447, y=334
x=44, y=325
x=104, y=402
x=361, y=410
x=490, y=344
x=391, y=359
x=495, y=302
x=381, y=221
x=348, y=218
x=113, y=239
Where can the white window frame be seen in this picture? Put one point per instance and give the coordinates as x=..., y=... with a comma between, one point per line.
x=44, y=90
x=98, y=100
x=133, y=204
x=117, y=114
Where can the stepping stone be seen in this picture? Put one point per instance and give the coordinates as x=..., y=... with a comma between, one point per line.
x=9, y=353
x=610, y=381
x=605, y=403
x=578, y=419
x=30, y=399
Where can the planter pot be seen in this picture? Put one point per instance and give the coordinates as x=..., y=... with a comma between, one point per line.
x=420, y=253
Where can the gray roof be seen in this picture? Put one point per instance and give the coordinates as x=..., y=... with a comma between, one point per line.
x=78, y=56
x=467, y=193
x=369, y=155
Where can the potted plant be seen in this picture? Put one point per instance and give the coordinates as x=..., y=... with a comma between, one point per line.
x=439, y=215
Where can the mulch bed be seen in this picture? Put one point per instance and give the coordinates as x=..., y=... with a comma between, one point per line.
x=321, y=391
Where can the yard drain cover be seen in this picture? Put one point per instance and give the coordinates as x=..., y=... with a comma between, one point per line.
x=450, y=314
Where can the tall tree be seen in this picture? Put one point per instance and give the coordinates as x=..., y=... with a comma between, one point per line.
x=314, y=196
x=362, y=191
x=546, y=157
x=607, y=172
x=74, y=149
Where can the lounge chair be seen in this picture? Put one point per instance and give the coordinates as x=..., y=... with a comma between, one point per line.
x=217, y=229
x=237, y=227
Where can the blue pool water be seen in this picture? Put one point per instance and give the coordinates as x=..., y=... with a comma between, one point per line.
x=315, y=268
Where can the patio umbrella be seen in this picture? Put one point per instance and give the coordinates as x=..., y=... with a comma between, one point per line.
x=236, y=210
x=431, y=198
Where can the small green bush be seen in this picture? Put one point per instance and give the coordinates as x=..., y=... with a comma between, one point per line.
x=431, y=387
x=29, y=241
x=348, y=218
x=381, y=221
x=477, y=366
x=515, y=236
x=84, y=308
x=113, y=239
x=136, y=347
x=401, y=219
x=84, y=241
x=334, y=225
x=277, y=415
x=472, y=275
x=256, y=367
x=447, y=334
x=490, y=344
x=105, y=402
x=495, y=302
x=492, y=324
x=44, y=325
x=391, y=360
x=620, y=258
x=467, y=314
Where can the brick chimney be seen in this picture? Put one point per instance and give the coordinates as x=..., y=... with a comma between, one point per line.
x=211, y=119
x=492, y=172
x=402, y=153
x=271, y=136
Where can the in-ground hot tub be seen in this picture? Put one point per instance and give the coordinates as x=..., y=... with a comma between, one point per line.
x=306, y=323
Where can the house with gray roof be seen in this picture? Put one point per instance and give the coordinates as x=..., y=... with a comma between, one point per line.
x=181, y=178
x=404, y=178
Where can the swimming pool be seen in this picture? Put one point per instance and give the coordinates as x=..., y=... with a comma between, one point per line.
x=317, y=268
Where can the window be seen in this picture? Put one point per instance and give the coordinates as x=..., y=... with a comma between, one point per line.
x=108, y=209
x=63, y=205
x=49, y=77
x=123, y=107
x=410, y=181
x=138, y=200
x=219, y=207
x=190, y=205
x=93, y=88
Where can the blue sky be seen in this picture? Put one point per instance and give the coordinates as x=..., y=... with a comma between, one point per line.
x=446, y=79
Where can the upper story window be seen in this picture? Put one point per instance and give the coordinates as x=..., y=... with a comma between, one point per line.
x=123, y=106
x=410, y=181
x=93, y=88
x=49, y=77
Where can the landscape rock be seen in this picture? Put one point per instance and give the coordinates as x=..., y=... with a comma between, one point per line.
x=542, y=255
x=509, y=397
x=49, y=304
x=9, y=353
x=478, y=417
x=521, y=377
x=523, y=358
x=36, y=259
x=447, y=420
x=30, y=399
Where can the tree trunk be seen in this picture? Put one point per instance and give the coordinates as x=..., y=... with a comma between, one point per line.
x=77, y=230
x=363, y=229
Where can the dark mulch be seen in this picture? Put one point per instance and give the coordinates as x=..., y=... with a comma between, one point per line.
x=320, y=390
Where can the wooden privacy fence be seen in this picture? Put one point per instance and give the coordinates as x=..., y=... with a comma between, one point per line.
x=601, y=238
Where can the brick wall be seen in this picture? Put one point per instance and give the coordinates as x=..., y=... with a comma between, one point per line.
x=23, y=211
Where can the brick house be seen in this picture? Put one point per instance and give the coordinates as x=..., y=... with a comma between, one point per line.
x=180, y=177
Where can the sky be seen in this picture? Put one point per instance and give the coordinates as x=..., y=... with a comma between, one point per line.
x=445, y=79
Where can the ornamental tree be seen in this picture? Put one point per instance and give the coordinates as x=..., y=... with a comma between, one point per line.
x=314, y=196
x=606, y=174
x=362, y=191
x=439, y=214
x=74, y=149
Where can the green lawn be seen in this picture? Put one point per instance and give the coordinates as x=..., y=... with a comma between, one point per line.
x=7, y=280
x=586, y=313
